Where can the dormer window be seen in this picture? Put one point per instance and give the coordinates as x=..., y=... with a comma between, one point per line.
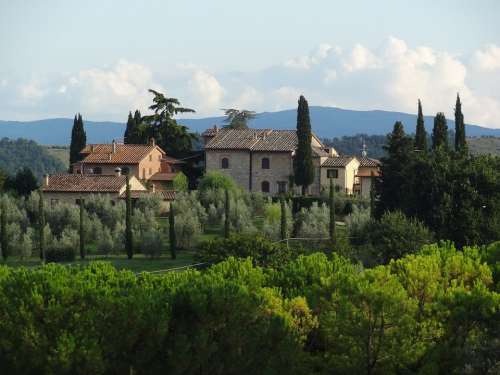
x=265, y=163
x=224, y=164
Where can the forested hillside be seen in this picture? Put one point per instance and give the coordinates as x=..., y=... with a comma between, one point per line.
x=19, y=153
x=353, y=145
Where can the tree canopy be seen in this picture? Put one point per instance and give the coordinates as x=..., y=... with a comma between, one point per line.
x=238, y=118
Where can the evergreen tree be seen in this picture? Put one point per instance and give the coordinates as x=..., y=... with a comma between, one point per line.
x=78, y=140
x=133, y=132
x=283, y=223
x=128, y=221
x=238, y=119
x=41, y=226
x=82, y=230
x=227, y=211
x=420, y=133
x=129, y=129
x=460, y=142
x=440, y=132
x=4, y=242
x=373, y=196
x=332, y=212
x=303, y=164
x=171, y=232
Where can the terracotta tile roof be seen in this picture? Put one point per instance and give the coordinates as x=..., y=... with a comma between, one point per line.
x=168, y=195
x=85, y=183
x=365, y=173
x=159, y=176
x=320, y=152
x=172, y=160
x=125, y=153
x=253, y=139
x=210, y=132
x=368, y=162
x=340, y=161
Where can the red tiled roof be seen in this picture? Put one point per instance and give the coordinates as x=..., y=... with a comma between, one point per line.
x=125, y=153
x=168, y=195
x=368, y=162
x=339, y=161
x=365, y=173
x=253, y=139
x=85, y=183
x=159, y=176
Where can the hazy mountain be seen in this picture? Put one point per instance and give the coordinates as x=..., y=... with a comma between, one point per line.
x=327, y=122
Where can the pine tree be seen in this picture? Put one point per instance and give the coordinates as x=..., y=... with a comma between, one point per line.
x=303, y=164
x=129, y=129
x=283, y=223
x=128, y=220
x=171, y=232
x=440, y=132
x=460, y=142
x=41, y=226
x=4, y=242
x=227, y=209
x=332, y=212
x=420, y=133
x=78, y=140
x=82, y=230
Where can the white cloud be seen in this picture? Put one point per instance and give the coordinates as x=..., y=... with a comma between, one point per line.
x=32, y=91
x=361, y=58
x=3, y=83
x=206, y=91
x=330, y=75
x=314, y=58
x=488, y=59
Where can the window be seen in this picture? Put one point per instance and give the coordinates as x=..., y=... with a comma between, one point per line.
x=150, y=157
x=265, y=186
x=159, y=157
x=224, y=163
x=97, y=170
x=265, y=163
x=125, y=170
x=281, y=187
x=150, y=171
x=143, y=173
x=332, y=173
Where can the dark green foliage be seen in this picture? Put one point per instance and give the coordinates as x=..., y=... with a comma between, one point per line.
x=440, y=132
x=81, y=231
x=331, y=207
x=263, y=251
x=373, y=197
x=41, y=226
x=302, y=162
x=59, y=253
x=353, y=145
x=78, y=140
x=420, y=133
x=238, y=119
x=129, y=128
x=227, y=211
x=214, y=180
x=21, y=153
x=171, y=232
x=129, y=240
x=23, y=183
x=283, y=224
x=4, y=241
x=460, y=142
x=134, y=132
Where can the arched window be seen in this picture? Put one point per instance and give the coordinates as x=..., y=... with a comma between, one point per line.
x=224, y=163
x=97, y=170
x=265, y=163
x=265, y=186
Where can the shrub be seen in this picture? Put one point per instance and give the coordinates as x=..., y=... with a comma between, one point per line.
x=105, y=244
x=215, y=180
x=180, y=182
x=151, y=243
x=186, y=227
x=271, y=226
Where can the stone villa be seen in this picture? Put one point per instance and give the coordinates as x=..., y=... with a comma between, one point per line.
x=262, y=160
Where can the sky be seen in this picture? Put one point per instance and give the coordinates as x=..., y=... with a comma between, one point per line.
x=99, y=57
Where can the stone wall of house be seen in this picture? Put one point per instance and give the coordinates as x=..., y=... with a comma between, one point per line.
x=109, y=169
x=280, y=170
x=150, y=165
x=239, y=164
x=346, y=176
x=53, y=197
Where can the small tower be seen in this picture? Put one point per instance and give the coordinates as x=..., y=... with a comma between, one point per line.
x=364, y=150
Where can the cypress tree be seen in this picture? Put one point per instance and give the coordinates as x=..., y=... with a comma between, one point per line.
x=171, y=232
x=41, y=226
x=420, y=133
x=4, y=243
x=129, y=129
x=82, y=230
x=78, y=140
x=283, y=223
x=331, y=203
x=440, y=132
x=128, y=221
x=303, y=164
x=227, y=222
x=373, y=195
x=460, y=142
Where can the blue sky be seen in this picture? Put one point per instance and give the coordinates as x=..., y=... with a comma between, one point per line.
x=99, y=57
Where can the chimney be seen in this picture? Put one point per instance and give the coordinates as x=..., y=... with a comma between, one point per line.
x=45, y=180
x=118, y=171
x=152, y=142
x=113, y=146
x=91, y=148
x=216, y=129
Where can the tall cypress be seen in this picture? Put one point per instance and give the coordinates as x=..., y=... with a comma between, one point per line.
x=227, y=209
x=460, y=142
x=129, y=246
x=41, y=226
x=303, y=163
x=420, y=133
x=331, y=204
x=4, y=243
x=129, y=129
x=82, y=229
x=171, y=232
x=440, y=132
x=373, y=195
x=283, y=223
x=78, y=140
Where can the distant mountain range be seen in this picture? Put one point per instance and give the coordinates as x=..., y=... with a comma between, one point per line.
x=327, y=122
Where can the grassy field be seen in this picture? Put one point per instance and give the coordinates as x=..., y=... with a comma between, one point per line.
x=139, y=263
